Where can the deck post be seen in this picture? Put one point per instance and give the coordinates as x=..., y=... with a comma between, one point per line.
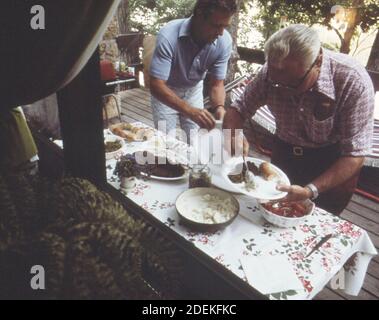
x=80, y=114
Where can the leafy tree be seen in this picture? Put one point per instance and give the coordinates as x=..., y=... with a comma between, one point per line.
x=362, y=14
x=150, y=15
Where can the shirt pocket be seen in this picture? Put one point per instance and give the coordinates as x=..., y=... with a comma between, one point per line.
x=319, y=131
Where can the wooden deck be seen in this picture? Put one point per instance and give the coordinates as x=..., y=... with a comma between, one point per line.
x=135, y=105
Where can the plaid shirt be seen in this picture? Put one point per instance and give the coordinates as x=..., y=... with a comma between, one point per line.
x=338, y=109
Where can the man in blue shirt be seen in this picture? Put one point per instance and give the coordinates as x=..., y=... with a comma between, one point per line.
x=186, y=50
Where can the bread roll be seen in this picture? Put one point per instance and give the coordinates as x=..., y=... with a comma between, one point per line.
x=124, y=134
x=266, y=171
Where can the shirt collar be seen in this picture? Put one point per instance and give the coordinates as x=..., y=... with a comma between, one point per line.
x=324, y=83
x=185, y=29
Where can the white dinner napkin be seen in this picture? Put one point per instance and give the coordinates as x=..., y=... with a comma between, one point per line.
x=270, y=274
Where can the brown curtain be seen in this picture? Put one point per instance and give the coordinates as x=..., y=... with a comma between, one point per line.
x=37, y=63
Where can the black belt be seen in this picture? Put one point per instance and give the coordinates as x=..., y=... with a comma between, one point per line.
x=300, y=151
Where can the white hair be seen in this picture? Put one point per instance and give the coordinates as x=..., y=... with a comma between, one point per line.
x=297, y=41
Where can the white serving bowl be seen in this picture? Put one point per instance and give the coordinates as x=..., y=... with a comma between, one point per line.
x=193, y=199
x=287, y=222
x=113, y=138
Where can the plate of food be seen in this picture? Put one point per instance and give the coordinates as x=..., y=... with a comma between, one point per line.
x=263, y=185
x=159, y=167
x=207, y=209
x=132, y=132
x=113, y=146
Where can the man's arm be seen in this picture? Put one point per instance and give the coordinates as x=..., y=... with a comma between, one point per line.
x=243, y=108
x=234, y=121
x=217, y=97
x=163, y=93
x=160, y=69
x=341, y=171
x=355, y=123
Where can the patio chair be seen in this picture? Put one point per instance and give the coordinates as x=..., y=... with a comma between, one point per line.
x=129, y=46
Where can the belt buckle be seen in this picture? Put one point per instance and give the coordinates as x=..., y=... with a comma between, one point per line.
x=298, y=151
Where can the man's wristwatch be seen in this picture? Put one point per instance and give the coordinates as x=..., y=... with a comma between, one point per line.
x=313, y=189
x=213, y=109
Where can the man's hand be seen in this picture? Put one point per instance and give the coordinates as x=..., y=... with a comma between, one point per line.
x=295, y=193
x=233, y=123
x=202, y=117
x=219, y=113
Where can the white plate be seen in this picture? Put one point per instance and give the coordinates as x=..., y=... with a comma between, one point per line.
x=184, y=176
x=266, y=190
x=171, y=156
x=137, y=139
x=219, y=181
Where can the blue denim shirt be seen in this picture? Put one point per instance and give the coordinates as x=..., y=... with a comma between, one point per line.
x=178, y=59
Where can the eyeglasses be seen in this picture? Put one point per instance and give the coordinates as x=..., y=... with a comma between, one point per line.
x=300, y=81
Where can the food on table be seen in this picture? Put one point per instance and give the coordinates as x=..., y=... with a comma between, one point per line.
x=158, y=166
x=286, y=209
x=216, y=210
x=236, y=178
x=239, y=178
x=199, y=177
x=111, y=146
x=253, y=168
x=144, y=134
x=124, y=134
x=267, y=172
x=250, y=183
x=131, y=132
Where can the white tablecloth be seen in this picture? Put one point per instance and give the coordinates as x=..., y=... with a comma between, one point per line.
x=251, y=235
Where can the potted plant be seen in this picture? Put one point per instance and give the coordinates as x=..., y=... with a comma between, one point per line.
x=126, y=170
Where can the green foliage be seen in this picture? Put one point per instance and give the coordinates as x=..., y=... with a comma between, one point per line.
x=311, y=12
x=150, y=16
x=126, y=167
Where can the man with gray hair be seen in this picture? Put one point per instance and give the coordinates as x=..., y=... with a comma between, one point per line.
x=323, y=104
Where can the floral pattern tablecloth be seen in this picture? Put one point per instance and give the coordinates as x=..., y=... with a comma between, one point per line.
x=250, y=234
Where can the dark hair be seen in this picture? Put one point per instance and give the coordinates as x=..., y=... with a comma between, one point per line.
x=207, y=7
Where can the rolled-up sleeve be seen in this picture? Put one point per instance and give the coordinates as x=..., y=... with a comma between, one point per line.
x=356, y=121
x=162, y=59
x=254, y=96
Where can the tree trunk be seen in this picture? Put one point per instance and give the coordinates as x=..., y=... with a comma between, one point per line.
x=353, y=17
x=123, y=16
x=233, y=30
x=373, y=60
x=232, y=65
x=251, y=55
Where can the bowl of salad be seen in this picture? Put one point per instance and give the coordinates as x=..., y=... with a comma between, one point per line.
x=113, y=146
x=287, y=214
